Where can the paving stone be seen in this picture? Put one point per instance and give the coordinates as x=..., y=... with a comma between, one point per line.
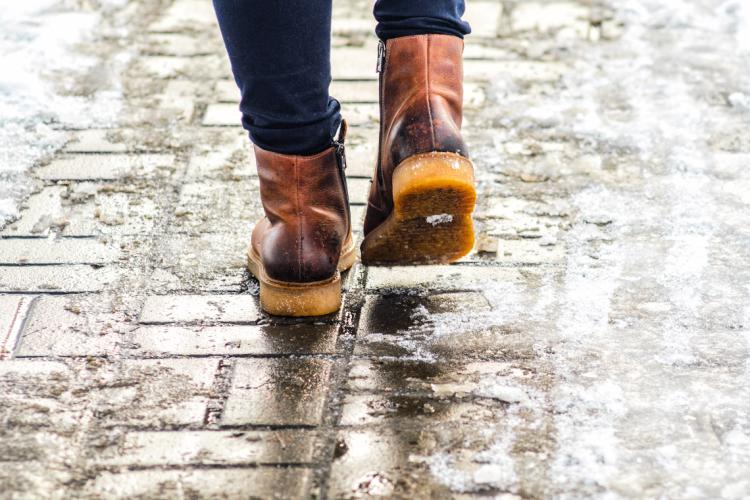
x=179, y=44
x=448, y=326
x=264, y=482
x=200, y=309
x=354, y=63
x=342, y=25
x=227, y=91
x=412, y=463
x=70, y=326
x=550, y=16
x=40, y=395
x=519, y=71
x=358, y=190
x=484, y=18
x=361, y=114
x=103, y=167
x=222, y=115
x=85, y=209
x=227, y=163
x=154, y=392
x=95, y=141
x=69, y=278
x=440, y=277
x=405, y=411
x=360, y=160
x=230, y=340
x=186, y=15
x=13, y=311
x=346, y=91
x=59, y=251
x=204, y=206
x=277, y=392
x=194, y=68
x=531, y=251
x=146, y=449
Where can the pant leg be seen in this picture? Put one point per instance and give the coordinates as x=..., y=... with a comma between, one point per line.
x=280, y=55
x=420, y=17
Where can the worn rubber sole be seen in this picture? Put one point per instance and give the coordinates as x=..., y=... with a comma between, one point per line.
x=281, y=298
x=433, y=198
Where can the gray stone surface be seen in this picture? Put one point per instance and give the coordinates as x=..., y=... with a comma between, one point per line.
x=277, y=392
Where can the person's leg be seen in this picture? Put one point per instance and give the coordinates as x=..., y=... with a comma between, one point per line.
x=422, y=196
x=280, y=56
x=398, y=18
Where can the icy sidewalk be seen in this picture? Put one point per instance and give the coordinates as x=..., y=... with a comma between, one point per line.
x=594, y=344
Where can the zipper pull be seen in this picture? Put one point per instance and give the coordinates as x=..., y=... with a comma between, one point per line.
x=341, y=155
x=381, y=56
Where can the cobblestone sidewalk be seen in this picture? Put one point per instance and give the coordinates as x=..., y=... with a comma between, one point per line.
x=595, y=343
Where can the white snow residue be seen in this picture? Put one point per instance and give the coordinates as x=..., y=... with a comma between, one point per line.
x=434, y=220
x=37, y=88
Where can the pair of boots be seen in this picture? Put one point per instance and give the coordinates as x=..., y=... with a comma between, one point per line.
x=421, y=197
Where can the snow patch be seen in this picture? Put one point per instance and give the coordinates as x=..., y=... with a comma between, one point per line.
x=434, y=220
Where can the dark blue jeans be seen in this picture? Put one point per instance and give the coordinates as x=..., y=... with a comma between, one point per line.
x=280, y=54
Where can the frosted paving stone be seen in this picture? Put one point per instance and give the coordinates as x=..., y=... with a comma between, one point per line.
x=154, y=392
x=203, y=207
x=71, y=326
x=484, y=18
x=195, y=68
x=264, y=482
x=95, y=141
x=433, y=462
x=353, y=25
x=13, y=310
x=354, y=63
x=450, y=326
x=66, y=278
x=416, y=410
x=355, y=91
x=439, y=277
x=358, y=190
x=58, y=251
x=103, y=167
x=227, y=163
x=304, y=338
x=227, y=91
x=183, y=448
x=205, y=264
x=277, y=392
x=436, y=378
x=160, y=309
x=361, y=115
x=360, y=160
x=550, y=16
x=535, y=251
x=520, y=71
x=222, y=115
x=186, y=15
x=177, y=44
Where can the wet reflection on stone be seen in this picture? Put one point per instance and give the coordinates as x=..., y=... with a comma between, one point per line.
x=277, y=392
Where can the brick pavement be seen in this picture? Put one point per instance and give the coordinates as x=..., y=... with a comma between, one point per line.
x=135, y=361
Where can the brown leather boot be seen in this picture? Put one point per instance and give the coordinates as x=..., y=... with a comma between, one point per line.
x=305, y=240
x=422, y=194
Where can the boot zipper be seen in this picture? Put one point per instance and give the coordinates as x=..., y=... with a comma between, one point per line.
x=381, y=56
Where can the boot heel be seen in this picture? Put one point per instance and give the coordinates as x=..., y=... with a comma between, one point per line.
x=314, y=299
x=433, y=198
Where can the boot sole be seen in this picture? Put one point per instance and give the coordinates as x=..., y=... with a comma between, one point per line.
x=433, y=199
x=319, y=298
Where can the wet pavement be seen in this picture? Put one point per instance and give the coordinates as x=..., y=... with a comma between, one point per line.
x=594, y=344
